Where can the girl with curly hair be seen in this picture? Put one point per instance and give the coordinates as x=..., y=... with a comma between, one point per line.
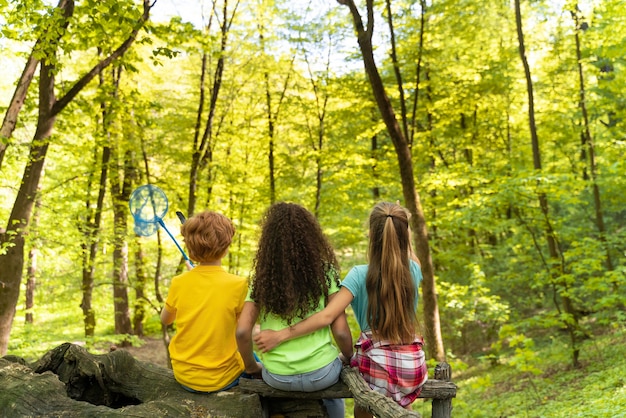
x=295, y=275
x=383, y=295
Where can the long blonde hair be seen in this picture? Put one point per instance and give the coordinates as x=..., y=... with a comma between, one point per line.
x=390, y=288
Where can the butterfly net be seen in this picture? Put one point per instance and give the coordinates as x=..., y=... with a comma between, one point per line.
x=148, y=204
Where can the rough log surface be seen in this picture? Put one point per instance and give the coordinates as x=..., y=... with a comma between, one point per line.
x=442, y=408
x=433, y=389
x=70, y=382
x=376, y=403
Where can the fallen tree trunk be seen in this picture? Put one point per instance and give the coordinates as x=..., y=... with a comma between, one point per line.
x=70, y=382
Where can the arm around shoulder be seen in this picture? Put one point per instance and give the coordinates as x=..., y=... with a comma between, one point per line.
x=338, y=302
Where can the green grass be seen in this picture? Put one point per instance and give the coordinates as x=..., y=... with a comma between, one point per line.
x=597, y=389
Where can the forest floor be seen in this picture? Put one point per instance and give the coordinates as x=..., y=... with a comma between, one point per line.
x=152, y=350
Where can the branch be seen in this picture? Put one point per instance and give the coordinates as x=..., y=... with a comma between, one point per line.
x=374, y=402
x=80, y=84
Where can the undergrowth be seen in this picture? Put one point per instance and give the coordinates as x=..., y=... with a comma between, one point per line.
x=531, y=381
x=596, y=389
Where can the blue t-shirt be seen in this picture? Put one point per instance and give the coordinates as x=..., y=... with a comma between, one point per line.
x=355, y=283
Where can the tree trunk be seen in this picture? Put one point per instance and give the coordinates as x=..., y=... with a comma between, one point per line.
x=202, y=156
x=12, y=261
x=434, y=340
x=270, y=145
x=68, y=381
x=17, y=101
x=91, y=232
x=31, y=270
x=272, y=118
x=121, y=194
x=588, y=142
x=141, y=278
x=374, y=156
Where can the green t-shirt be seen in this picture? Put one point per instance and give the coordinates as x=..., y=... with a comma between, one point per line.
x=300, y=355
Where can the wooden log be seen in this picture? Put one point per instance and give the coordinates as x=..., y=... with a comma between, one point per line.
x=432, y=389
x=375, y=403
x=70, y=382
x=442, y=408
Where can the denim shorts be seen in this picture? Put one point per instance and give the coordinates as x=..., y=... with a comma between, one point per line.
x=306, y=382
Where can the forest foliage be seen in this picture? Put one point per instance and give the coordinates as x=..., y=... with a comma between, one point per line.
x=267, y=100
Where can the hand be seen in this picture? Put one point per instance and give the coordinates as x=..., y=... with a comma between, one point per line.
x=344, y=359
x=255, y=370
x=267, y=339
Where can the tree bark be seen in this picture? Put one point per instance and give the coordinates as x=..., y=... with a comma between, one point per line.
x=434, y=340
x=12, y=261
x=17, y=101
x=121, y=194
x=31, y=269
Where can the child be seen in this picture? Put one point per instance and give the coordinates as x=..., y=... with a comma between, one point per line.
x=295, y=274
x=384, y=298
x=206, y=303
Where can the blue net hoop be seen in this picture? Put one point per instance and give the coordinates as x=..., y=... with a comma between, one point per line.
x=148, y=204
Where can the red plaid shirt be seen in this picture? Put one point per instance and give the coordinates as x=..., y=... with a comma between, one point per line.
x=397, y=371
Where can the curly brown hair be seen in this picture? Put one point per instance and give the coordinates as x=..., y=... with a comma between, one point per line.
x=294, y=265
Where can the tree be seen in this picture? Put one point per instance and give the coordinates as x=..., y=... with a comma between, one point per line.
x=12, y=239
x=411, y=196
x=204, y=139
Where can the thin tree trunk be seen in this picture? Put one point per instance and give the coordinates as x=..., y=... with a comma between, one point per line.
x=93, y=229
x=272, y=117
x=374, y=150
x=572, y=324
x=31, y=270
x=434, y=341
x=202, y=157
x=589, y=143
x=396, y=71
x=121, y=184
x=141, y=278
x=270, y=134
x=121, y=194
x=321, y=106
x=418, y=71
x=195, y=157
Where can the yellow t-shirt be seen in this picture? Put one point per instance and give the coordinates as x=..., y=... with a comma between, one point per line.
x=207, y=301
